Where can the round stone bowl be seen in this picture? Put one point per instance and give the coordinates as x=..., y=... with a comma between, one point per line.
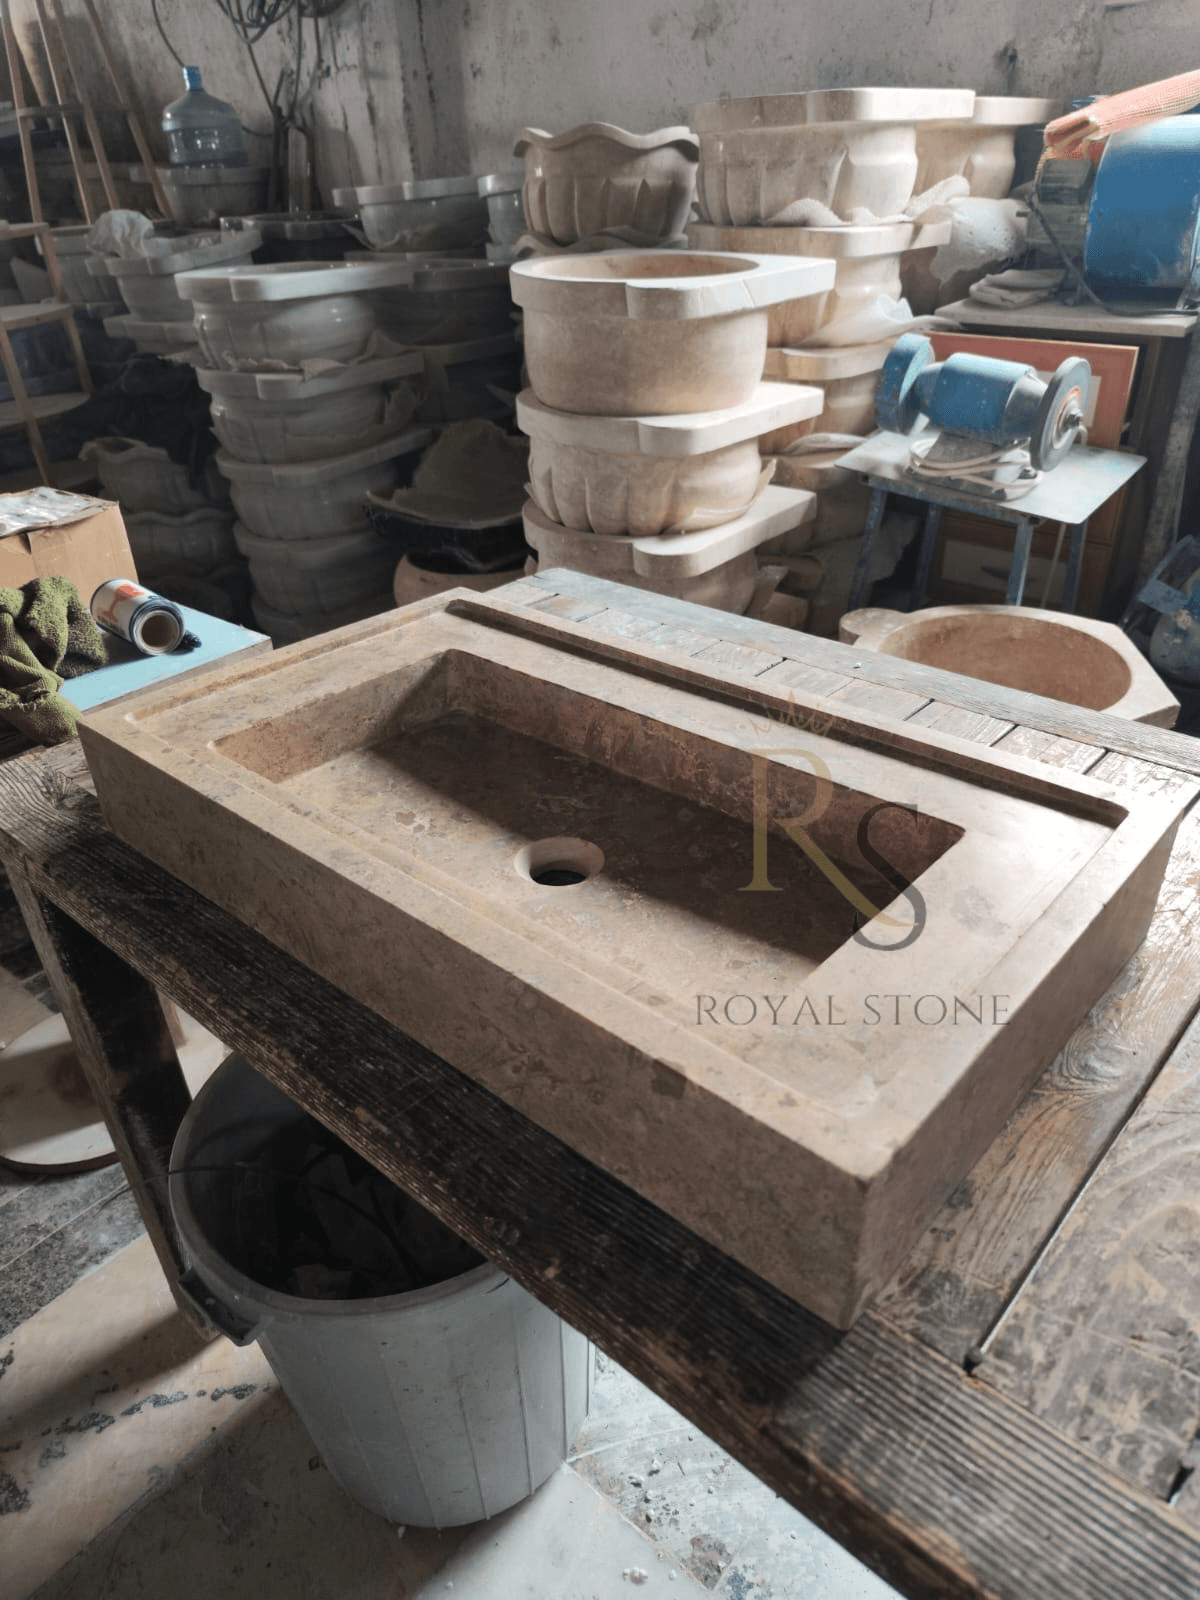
x=1074, y=659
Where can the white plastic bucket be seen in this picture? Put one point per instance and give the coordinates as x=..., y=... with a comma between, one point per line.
x=434, y=1408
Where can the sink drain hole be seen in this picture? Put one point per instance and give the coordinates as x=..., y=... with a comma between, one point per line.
x=557, y=877
x=559, y=863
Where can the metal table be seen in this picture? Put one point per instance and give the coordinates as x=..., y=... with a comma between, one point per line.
x=1076, y=488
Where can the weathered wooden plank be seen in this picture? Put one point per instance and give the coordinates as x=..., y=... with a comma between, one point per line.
x=943, y=1485
x=742, y=658
x=577, y=608
x=883, y=698
x=124, y=1045
x=931, y=683
x=1050, y=748
x=1127, y=1367
x=621, y=625
x=963, y=1478
x=957, y=1282
x=963, y=724
x=791, y=674
x=1103, y=1341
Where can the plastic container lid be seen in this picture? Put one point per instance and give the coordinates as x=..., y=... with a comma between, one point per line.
x=293, y=280
x=295, y=386
x=302, y=474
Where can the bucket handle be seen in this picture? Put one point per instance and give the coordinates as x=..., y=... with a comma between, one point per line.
x=215, y=1310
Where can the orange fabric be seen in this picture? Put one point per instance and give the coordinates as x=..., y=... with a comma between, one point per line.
x=1083, y=132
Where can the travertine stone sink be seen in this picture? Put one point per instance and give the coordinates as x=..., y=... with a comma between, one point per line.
x=1076, y=659
x=866, y=261
x=620, y=887
x=652, y=332
x=642, y=476
x=850, y=150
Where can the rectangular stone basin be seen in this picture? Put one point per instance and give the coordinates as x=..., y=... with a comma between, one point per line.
x=623, y=893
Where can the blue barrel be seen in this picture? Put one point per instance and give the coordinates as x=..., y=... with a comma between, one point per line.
x=1145, y=211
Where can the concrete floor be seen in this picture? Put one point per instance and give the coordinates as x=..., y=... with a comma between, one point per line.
x=138, y=1461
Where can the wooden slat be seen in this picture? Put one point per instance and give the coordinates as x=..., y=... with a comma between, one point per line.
x=930, y=683
x=742, y=658
x=944, y=1486
x=1049, y=748
x=882, y=698
x=566, y=605
x=965, y=1270
x=123, y=1042
x=791, y=674
x=1103, y=1342
x=973, y=725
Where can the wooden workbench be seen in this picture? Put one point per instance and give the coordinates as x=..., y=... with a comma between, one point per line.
x=1015, y=1416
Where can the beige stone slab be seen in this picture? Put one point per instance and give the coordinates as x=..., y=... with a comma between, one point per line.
x=384, y=802
x=105, y=1391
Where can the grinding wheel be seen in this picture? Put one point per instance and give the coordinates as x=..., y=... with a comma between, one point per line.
x=1060, y=415
x=896, y=404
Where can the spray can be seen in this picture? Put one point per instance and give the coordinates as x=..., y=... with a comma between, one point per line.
x=150, y=623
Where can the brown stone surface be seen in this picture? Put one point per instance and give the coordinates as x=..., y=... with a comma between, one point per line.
x=384, y=802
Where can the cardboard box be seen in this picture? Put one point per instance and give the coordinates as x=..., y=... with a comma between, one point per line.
x=48, y=533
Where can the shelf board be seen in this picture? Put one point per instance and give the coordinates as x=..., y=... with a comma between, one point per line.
x=35, y=314
x=43, y=407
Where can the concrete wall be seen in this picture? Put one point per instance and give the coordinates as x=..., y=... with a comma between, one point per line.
x=435, y=87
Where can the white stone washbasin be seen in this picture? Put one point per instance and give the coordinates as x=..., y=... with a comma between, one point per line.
x=1075, y=659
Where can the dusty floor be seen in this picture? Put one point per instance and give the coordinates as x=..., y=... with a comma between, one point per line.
x=138, y=1461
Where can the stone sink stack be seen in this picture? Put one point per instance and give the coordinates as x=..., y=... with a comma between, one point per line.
x=644, y=410
x=828, y=174
x=311, y=420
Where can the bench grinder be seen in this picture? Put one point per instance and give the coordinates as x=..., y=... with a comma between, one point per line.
x=995, y=426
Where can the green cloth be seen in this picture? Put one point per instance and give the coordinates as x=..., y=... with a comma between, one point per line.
x=46, y=635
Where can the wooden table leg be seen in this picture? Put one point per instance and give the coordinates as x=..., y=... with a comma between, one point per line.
x=124, y=1044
